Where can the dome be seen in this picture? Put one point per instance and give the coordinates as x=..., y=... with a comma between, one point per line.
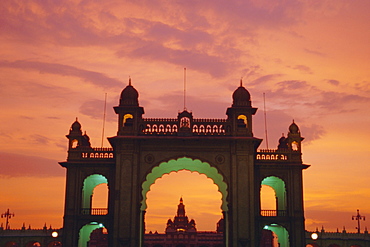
x=241, y=96
x=282, y=139
x=129, y=96
x=293, y=128
x=76, y=126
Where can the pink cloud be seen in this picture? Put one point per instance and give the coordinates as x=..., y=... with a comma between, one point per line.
x=14, y=165
x=95, y=78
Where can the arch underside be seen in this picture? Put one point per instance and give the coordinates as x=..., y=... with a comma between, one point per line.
x=88, y=187
x=281, y=232
x=185, y=163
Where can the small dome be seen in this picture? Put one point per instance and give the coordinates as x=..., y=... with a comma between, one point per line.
x=293, y=128
x=282, y=139
x=241, y=96
x=76, y=126
x=129, y=96
x=86, y=136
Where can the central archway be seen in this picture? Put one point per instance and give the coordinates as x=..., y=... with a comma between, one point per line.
x=189, y=164
x=192, y=165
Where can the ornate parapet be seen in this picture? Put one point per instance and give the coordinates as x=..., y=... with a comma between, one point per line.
x=90, y=154
x=278, y=155
x=174, y=126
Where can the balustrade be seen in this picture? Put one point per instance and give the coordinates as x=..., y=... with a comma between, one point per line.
x=94, y=211
x=170, y=126
x=273, y=213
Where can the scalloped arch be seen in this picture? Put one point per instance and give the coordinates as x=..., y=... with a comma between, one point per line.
x=189, y=164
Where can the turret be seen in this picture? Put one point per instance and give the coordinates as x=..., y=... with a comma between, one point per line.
x=129, y=112
x=294, y=138
x=240, y=113
x=75, y=137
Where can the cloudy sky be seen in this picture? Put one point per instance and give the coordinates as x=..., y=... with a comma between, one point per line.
x=58, y=59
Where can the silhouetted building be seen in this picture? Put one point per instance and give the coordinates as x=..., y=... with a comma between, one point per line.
x=182, y=232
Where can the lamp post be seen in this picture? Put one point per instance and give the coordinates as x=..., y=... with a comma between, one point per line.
x=314, y=237
x=54, y=234
x=8, y=216
x=358, y=217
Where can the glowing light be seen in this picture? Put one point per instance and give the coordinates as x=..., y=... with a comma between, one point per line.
x=54, y=234
x=314, y=236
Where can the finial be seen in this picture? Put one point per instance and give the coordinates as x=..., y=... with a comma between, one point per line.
x=241, y=81
x=76, y=119
x=129, y=80
x=181, y=199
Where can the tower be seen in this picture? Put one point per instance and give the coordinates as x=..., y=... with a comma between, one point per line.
x=145, y=149
x=181, y=222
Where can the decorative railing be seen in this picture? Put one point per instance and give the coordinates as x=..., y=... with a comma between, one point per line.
x=94, y=211
x=172, y=126
x=93, y=153
x=272, y=154
x=273, y=213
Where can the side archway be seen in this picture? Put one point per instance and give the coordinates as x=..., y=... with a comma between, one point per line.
x=281, y=232
x=189, y=164
x=85, y=232
x=278, y=185
x=88, y=187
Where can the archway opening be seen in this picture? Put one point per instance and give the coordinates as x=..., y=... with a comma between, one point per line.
x=268, y=198
x=278, y=186
x=100, y=196
x=86, y=232
x=189, y=166
x=280, y=232
x=201, y=199
x=89, y=184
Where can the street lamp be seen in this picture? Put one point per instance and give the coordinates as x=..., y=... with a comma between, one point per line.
x=358, y=217
x=314, y=236
x=54, y=234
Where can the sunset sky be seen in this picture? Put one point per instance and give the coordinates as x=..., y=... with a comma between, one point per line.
x=58, y=59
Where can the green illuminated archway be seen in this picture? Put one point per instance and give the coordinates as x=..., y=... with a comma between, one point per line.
x=86, y=231
x=279, y=187
x=88, y=187
x=185, y=163
x=281, y=232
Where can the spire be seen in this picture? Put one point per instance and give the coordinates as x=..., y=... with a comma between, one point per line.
x=129, y=80
x=181, y=209
x=241, y=81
